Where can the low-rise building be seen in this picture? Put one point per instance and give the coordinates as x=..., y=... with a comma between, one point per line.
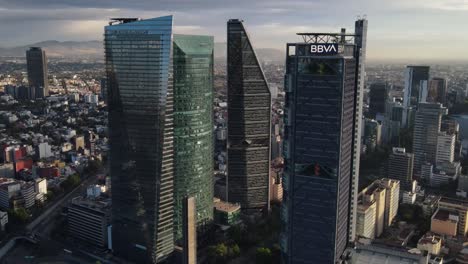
x=445, y=222
x=88, y=220
x=461, y=207
x=430, y=244
x=226, y=213
x=7, y=170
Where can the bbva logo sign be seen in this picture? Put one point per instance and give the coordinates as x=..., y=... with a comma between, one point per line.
x=324, y=49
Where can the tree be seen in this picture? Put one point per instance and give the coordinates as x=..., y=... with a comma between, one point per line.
x=218, y=253
x=19, y=216
x=71, y=182
x=234, y=251
x=263, y=256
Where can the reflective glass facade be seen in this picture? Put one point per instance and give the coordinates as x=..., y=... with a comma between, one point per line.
x=318, y=151
x=249, y=108
x=193, y=127
x=140, y=101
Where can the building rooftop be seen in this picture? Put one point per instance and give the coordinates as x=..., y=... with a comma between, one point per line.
x=454, y=201
x=226, y=207
x=94, y=204
x=378, y=255
x=445, y=215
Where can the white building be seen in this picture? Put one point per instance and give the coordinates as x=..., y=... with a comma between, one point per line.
x=44, y=150
x=40, y=186
x=91, y=99
x=445, y=148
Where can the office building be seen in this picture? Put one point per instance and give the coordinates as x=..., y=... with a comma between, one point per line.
x=140, y=103
x=438, y=91
x=372, y=134
x=445, y=148
x=414, y=75
x=44, y=150
x=366, y=217
x=249, y=114
x=320, y=121
x=88, y=220
x=36, y=60
x=377, y=99
x=400, y=167
x=193, y=127
x=371, y=254
x=360, y=31
x=458, y=207
x=426, y=130
x=377, y=207
x=28, y=194
x=445, y=222
x=8, y=189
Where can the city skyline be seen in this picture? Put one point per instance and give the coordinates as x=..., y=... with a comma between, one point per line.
x=400, y=28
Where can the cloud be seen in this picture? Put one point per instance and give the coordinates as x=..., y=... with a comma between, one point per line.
x=396, y=27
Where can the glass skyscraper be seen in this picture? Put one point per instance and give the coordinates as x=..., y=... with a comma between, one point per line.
x=193, y=127
x=36, y=61
x=140, y=101
x=321, y=86
x=249, y=114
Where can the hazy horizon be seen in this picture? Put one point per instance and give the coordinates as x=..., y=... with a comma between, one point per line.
x=398, y=30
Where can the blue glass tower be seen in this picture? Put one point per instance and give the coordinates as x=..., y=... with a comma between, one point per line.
x=140, y=101
x=320, y=118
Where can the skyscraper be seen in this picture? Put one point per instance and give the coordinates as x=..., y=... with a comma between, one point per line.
x=400, y=167
x=193, y=127
x=249, y=108
x=438, y=91
x=322, y=87
x=378, y=98
x=414, y=76
x=36, y=60
x=426, y=130
x=140, y=101
x=360, y=31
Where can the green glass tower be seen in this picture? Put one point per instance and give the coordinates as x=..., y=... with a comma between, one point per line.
x=193, y=127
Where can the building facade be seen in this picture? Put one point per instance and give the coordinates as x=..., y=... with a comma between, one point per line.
x=140, y=102
x=88, y=220
x=377, y=98
x=36, y=61
x=193, y=127
x=320, y=117
x=445, y=148
x=426, y=130
x=249, y=115
x=400, y=167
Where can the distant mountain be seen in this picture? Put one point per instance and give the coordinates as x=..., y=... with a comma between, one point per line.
x=55, y=48
x=95, y=48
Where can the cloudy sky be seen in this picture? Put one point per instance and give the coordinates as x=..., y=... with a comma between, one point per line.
x=398, y=29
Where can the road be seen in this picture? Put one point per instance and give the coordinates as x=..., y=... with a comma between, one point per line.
x=43, y=224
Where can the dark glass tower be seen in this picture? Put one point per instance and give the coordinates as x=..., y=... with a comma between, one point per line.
x=140, y=101
x=193, y=127
x=249, y=107
x=378, y=98
x=321, y=86
x=36, y=60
